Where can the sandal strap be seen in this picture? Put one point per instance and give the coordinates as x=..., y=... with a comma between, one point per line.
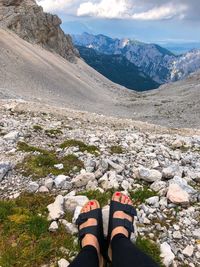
x=88, y=230
x=128, y=209
x=83, y=217
x=124, y=223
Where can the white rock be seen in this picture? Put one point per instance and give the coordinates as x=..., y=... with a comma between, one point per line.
x=177, y=235
x=149, y=175
x=49, y=183
x=177, y=195
x=32, y=187
x=4, y=169
x=183, y=184
x=105, y=212
x=63, y=263
x=152, y=201
x=166, y=254
x=71, y=202
x=170, y=171
x=59, y=166
x=196, y=233
x=76, y=214
x=158, y=185
x=70, y=227
x=53, y=227
x=43, y=189
x=83, y=179
x=60, y=180
x=55, y=209
x=109, y=181
x=126, y=185
x=12, y=136
x=92, y=185
x=188, y=251
x=118, y=168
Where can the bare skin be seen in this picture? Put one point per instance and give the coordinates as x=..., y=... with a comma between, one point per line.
x=120, y=214
x=90, y=239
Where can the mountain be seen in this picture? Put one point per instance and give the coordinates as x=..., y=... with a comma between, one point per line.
x=28, y=20
x=118, y=69
x=158, y=63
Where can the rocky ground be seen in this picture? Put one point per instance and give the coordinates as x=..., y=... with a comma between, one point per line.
x=74, y=156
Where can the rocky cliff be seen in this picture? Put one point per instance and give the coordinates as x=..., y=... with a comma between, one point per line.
x=28, y=20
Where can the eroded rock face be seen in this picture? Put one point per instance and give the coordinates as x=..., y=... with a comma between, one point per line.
x=28, y=20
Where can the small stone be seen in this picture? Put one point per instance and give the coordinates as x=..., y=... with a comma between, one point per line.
x=152, y=201
x=149, y=175
x=170, y=171
x=53, y=227
x=177, y=195
x=158, y=185
x=63, y=263
x=60, y=180
x=5, y=167
x=196, y=233
x=70, y=227
x=126, y=185
x=55, y=209
x=166, y=254
x=12, y=136
x=32, y=187
x=188, y=251
x=83, y=179
x=49, y=183
x=71, y=202
x=59, y=166
x=43, y=189
x=177, y=235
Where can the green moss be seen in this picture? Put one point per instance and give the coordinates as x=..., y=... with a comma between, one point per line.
x=102, y=198
x=141, y=194
x=22, y=146
x=38, y=166
x=116, y=150
x=6, y=209
x=82, y=146
x=25, y=239
x=150, y=248
x=53, y=132
x=37, y=128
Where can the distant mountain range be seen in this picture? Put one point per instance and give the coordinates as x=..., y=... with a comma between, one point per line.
x=138, y=64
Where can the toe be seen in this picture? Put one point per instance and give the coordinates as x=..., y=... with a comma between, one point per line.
x=94, y=204
x=116, y=196
x=123, y=199
x=126, y=200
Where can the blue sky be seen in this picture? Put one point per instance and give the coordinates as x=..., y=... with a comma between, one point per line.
x=159, y=21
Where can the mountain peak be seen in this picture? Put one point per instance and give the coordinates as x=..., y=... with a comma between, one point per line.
x=30, y=22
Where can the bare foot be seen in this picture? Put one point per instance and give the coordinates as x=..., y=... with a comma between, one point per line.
x=90, y=239
x=122, y=215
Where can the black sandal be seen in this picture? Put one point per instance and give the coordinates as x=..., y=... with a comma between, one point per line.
x=96, y=230
x=116, y=222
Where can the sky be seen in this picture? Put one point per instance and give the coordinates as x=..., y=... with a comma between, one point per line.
x=159, y=21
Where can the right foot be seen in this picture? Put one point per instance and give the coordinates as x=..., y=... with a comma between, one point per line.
x=90, y=239
x=119, y=197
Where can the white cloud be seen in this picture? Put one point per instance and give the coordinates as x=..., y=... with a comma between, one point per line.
x=104, y=9
x=163, y=12
x=127, y=9
x=54, y=5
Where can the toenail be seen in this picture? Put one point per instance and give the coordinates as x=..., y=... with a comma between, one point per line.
x=117, y=194
x=92, y=203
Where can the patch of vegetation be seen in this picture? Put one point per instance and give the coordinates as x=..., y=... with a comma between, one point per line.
x=150, y=248
x=116, y=149
x=37, y=128
x=102, y=198
x=22, y=146
x=82, y=146
x=25, y=239
x=53, y=132
x=38, y=166
x=140, y=195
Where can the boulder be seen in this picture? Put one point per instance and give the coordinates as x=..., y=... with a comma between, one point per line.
x=177, y=195
x=149, y=175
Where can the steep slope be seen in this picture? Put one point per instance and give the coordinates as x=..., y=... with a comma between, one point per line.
x=118, y=69
x=28, y=20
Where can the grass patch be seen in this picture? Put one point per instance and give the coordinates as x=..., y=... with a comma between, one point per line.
x=102, y=198
x=53, y=132
x=22, y=146
x=116, y=150
x=141, y=194
x=37, y=128
x=150, y=248
x=25, y=239
x=82, y=146
x=38, y=166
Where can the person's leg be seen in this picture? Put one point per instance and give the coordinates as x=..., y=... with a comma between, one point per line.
x=126, y=254
x=122, y=252
x=89, y=255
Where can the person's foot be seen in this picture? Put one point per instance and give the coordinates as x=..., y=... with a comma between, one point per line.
x=90, y=239
x=122, y=215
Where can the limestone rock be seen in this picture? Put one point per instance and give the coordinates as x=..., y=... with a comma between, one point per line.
x=166, y=254
x=43, y=189
x=149, y=175
x=12, y=136
x=53, y=227
x=63, y=263
x=177, y=195
x=4, y=169
x=188, y=251
x=82, y=179
x=55, y=209
x=71, y=202
x=32, y=187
